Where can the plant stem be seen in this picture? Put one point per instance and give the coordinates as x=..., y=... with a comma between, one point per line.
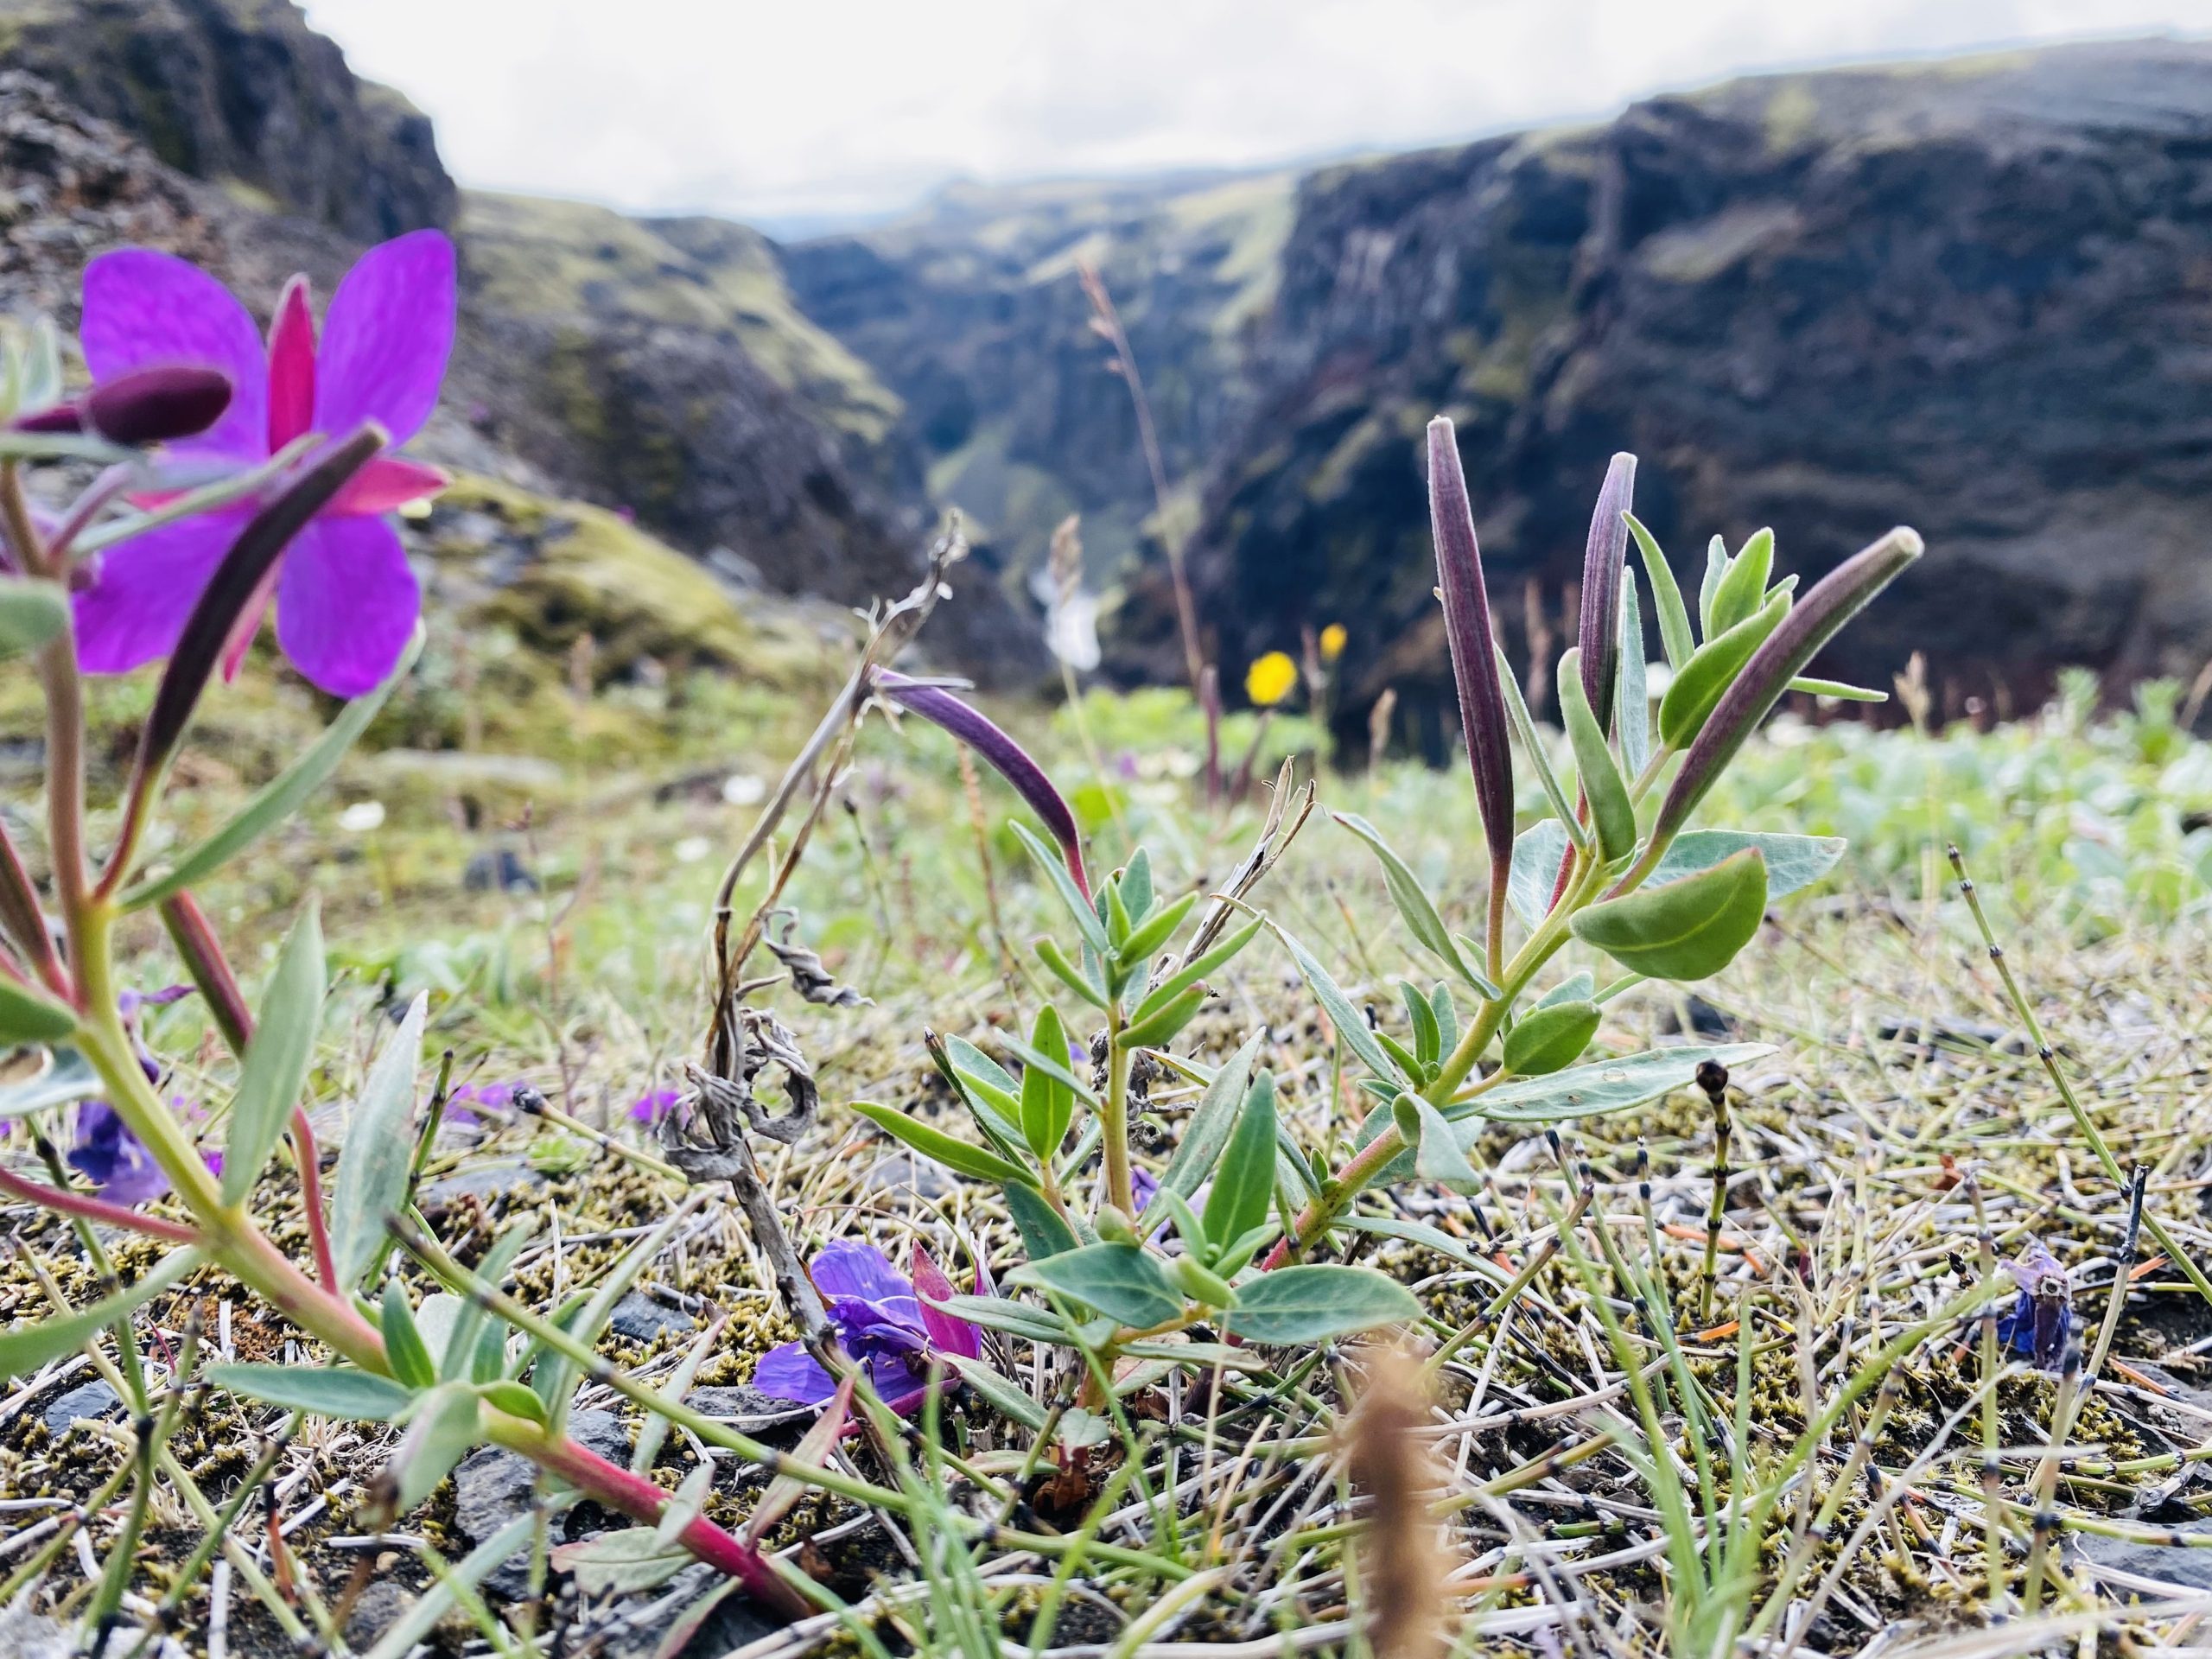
x=1114, y=1117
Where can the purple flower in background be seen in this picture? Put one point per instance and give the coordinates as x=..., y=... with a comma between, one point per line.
x=112, y=1159
x=651, y=1108
x=2043, y=1318
x=882, y=1322
x=497, y=1098
x=1144, y=1185
x=346, y=600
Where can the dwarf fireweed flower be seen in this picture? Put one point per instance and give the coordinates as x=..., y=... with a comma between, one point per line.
x=346, y=602
x=881, y=1321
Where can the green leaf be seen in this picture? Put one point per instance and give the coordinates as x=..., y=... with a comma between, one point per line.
x=1741, y=590
x=1689, y=929
x=1601, y=1086
x=1447, y=1016
x=1549, y=1037
x=1667, y=598
x=1792, y=861
x=1136, y=885
x=342, y=1393
x=1152, y=935
x=989, y=1094
x=625, y=1562
x=1632, y=716
x=1538, y=851
x=1532, y=743
x=1841, y=690
x=1054, y=1065
x=1698, y=689
x=1427, y=1041
x=1044, y=1230
x=1352, y=1025
x=1437, y=1152
x=1123, y=1281
x=1243, y=1186
x=442, y=1432
x=457, y=1360
x=1086, y=918
x=1312, y=1303
x=31, y=614
x=378, y=1151
x=516, y=1398
x=1182, y=978
x=1575, y=988
x=1160, y=1025
x=1049, y=953
x=280, y=798
x=1414, y=903
x=1716, y=569
x=1002, y=1394
x=27, y=1017
x=29, y=1344
x=1207, y=1131
x=276, y=1060
x=1012, y=1318
x=402, y=1343
x=1610, y=807
x=1047, y=1105
x=1188, y=1227
x=959, y=1156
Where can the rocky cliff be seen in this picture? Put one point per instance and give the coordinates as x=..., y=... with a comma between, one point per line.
x=1970, y=295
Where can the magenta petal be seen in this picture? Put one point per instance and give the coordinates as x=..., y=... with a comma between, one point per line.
x=291, y=367
x=145, y=310
x=385, y=337
x=346, y=604
x=386, y=483
x=791, y=1373
x=136, y=608
x=949, y=1331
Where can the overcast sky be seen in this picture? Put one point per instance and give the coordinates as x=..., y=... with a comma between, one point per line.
x=785, y=109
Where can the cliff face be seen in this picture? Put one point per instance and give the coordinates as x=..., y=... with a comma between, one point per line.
x=1974, y=296
x=241, y=92
x=972, y=313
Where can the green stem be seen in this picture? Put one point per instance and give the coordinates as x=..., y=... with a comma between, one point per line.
x=1114, y=1117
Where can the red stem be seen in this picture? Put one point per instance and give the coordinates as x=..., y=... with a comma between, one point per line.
x=94, y=1210
x=311, y=1200
x=643, y=1502
x=23, y=914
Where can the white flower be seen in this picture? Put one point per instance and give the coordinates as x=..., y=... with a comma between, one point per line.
x=692, y=849
x=361, y=817
x=743, y=789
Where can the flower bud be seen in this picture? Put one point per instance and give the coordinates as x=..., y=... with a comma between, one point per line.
x=1114, y=1226
x=1200, y=1284
x=146, y=406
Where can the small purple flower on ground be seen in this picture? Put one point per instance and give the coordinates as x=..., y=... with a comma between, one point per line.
x=2043, y=1318
x=651, y=1108
x=881, y=1322
x=112, y=1159
x=346, y=600
x=496, y=1098
x=1144, y=1184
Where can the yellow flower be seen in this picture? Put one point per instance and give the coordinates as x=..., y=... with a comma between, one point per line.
x=1270, y=678
x=1332, y=642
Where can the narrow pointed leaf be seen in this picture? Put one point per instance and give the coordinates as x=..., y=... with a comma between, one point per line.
x=1665, y=596
x=1532, y=745
x=276, y=1059
x=1208, y=1131
x=27, y=1017
x=1414, y=905
x=1212, y=962
x=29, y=1343
x=1610, y=811
x=440, y=1433
x=379, y=1151
x=1689, y=929
x=1244, y=1185
x=959, y=1156
x=1352, y=1025
x=1841, y=690
x=1741, y=590
x=342, y=1393
x=1047, y=1105
x=1632, y=717
x=1693, y=693
x=403, y=1342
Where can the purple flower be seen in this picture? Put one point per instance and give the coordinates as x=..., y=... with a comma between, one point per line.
x=651, y=1108
x=2043, y=1318
x=346, y=600
x=1144, y=1185
x=112, y=1159
x=882, y=1322
x=497, y=1098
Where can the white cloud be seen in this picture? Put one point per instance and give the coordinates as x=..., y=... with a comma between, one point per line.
x=776, y=110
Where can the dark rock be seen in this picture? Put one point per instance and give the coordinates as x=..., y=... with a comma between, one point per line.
x=642, y=1318
x=241, y=92
x=636, y=1626
x=484, y=1180
x=498, y=869
x=1926, y=1035
x=2184, y=1567
x=1963, y=297
x=744, y=1407
x=376, y=1610
x=494, y=1486
x=93, y=1401
x=904, y=1173
x=1705, y=1021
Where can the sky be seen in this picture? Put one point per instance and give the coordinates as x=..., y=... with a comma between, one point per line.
x=799, y=111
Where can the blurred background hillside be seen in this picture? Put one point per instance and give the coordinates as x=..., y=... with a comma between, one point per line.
x=1973, y=293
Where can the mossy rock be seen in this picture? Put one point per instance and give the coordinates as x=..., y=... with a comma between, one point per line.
x=557, y=571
